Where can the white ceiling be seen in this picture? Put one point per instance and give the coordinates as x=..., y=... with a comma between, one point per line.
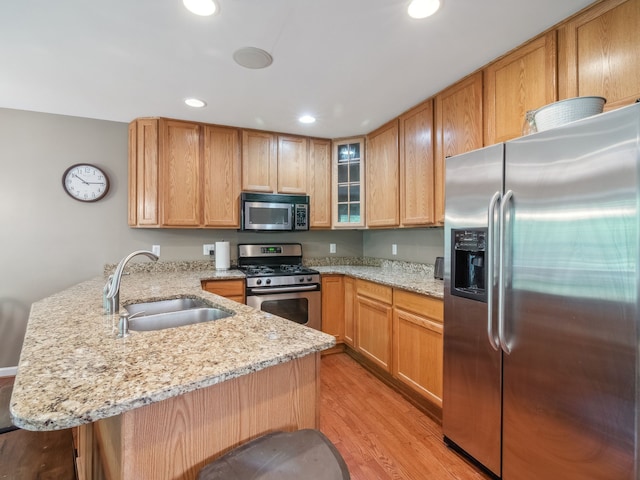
x=354, y=64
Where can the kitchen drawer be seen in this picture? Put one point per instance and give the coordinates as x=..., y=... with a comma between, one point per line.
x=232, y=289
x=423, y=305
x=375, y=291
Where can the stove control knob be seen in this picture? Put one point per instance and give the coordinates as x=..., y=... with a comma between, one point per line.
x=268, y=281
x=258, y=282
x=301, y=279
x=308, y=279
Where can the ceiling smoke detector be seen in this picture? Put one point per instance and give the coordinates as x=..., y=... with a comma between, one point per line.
x=252, y=57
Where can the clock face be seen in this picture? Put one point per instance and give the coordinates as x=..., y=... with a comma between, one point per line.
x=85, y=182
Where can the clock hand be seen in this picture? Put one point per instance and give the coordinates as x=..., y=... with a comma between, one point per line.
x=81, y=179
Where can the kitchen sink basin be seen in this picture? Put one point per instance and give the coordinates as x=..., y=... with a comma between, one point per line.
x=172, y=313
x=165, y=306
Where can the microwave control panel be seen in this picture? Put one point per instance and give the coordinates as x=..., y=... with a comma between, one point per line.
x=302, y=216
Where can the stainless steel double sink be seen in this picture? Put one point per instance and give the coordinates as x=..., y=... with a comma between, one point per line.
x=172, y=313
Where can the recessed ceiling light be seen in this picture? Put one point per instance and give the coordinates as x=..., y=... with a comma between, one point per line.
x=423, y=8
x=203, y=8
x=252, y=57
x=307, y=119
x=195, y=102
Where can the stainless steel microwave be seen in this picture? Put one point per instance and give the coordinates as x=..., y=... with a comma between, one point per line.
x=274, y=212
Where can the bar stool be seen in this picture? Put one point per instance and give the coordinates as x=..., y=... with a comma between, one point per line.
x=304, y=454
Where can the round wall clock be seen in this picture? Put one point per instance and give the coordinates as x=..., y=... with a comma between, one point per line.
x=85, y=182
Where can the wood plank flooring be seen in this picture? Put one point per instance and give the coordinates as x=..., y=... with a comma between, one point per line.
x=380, y=434
x=26, y=455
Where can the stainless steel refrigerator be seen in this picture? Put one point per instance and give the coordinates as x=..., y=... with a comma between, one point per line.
x=541, y=312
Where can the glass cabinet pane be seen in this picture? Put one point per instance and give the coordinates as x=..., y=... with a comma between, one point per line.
x=354, y=151
x=354, y=193
x=343, y=193
x=343, y=213
x=354, y=216
x=343, y=173
x=347, y=188
x=354, y=171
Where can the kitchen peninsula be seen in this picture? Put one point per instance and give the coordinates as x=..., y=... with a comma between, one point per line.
x=161, y=404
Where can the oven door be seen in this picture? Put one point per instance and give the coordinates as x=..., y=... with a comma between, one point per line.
x=298, y=304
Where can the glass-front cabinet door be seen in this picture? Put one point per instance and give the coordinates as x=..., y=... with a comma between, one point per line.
x=348, y=183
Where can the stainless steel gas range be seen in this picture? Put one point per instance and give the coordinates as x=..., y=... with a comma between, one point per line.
x=278, y=283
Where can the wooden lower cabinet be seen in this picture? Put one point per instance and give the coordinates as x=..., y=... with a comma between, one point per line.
x=173, y=439
x=350, y=311
x=231, y=289
x=400, y=332
x=373, y=322
x=333, y=306
x=417, y=343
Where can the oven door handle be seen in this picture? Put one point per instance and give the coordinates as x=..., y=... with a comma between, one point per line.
x=302, y=288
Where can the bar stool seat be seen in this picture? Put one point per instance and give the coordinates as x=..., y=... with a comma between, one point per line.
x=304, y=454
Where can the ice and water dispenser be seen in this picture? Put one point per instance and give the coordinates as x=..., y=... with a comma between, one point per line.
x=468, y=273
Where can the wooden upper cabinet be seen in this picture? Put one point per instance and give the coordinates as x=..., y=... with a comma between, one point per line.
x=274, y=163
x=183, y=175
x=143, y=172
x=416, y=166
x=599, y=53
x=458, y=119
x=292, y=164
x=259, y=161
x=319, y=182
x=221, y=172
x=348, y=183
x=382, y=174
x=523, y=80
x=180, y=173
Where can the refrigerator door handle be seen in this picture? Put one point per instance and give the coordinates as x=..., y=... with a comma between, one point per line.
x=494, y=340
x=504, y=205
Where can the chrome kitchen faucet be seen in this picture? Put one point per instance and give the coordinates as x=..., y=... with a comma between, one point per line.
x=111, y=290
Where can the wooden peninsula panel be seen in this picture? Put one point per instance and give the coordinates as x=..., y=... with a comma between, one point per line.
x=173, y=439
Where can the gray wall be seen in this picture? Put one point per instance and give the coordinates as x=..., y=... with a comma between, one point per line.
x=421, y=245
x=48, y=241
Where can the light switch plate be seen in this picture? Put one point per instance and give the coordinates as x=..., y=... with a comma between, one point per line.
x=394, y=249
x=332, y=248
x=208, y=248
x=155, y=249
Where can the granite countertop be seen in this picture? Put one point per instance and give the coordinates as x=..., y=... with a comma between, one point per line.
x=74, y=370
x=418, y=281
x=414, y=277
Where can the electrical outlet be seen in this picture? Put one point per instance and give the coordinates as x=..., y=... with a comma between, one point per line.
x=208, y=248
x=394, y=249
x=332, y=248
x=155, y=249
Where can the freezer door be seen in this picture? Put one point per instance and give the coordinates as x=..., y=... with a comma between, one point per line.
x=471, y=384
x=571, y=310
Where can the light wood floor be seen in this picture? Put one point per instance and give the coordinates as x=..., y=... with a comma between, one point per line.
x=379, y=434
